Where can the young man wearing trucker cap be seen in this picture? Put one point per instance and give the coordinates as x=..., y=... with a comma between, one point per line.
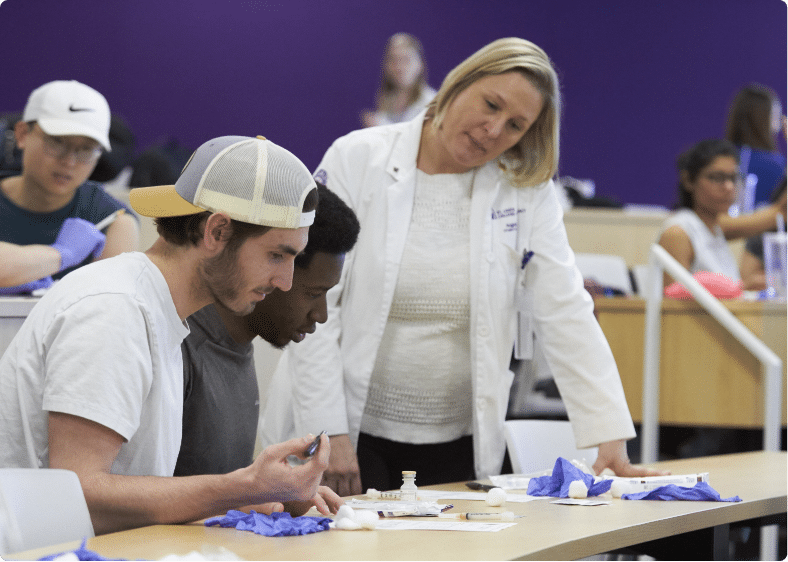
x=93, y=381
x=48, y=213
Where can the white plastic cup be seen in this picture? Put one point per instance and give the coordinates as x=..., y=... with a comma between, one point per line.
x=775, y=256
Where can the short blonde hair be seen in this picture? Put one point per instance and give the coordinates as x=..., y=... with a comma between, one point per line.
x=534, y=159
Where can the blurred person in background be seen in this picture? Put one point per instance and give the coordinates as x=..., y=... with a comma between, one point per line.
x=755, y=118
x=403, y=91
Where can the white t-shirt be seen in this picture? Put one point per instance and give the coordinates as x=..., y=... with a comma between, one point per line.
x=103, y=344
x=711, y=249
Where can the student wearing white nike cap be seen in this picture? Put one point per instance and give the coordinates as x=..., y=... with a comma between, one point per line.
x=48, y=212
x=93, y=381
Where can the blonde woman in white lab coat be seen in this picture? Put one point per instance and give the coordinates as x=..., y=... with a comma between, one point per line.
x=462, y=253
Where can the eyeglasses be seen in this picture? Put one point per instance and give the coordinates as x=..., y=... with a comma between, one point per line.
x=58, y=148
x=720, y=178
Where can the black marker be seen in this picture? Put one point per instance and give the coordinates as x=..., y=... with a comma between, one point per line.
x=479, y=486
x=312, y=449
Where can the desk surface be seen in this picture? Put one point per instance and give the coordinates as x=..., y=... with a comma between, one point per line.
x=17, y=306
x=547, y=531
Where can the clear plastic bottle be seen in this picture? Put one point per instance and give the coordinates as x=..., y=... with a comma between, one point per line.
x=409, y=488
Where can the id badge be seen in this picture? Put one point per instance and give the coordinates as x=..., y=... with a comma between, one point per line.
x=524, y=342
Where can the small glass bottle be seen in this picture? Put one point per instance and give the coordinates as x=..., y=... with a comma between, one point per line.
x=408, y=488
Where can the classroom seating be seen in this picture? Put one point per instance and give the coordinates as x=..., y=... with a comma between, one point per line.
x=41, y=507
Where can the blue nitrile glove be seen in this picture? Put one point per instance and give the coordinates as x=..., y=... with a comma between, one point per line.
x=77, y=240
x=28, y=287
x=699, y=492
x=564, y=473
x=278, y=524
x=81, y=553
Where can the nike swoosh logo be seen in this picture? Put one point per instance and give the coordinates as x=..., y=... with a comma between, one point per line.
x=72, y=108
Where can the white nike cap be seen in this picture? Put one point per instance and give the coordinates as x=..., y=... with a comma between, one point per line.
x=68, y=107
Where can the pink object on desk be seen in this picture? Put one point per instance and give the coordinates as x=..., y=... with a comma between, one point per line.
x=719, y=285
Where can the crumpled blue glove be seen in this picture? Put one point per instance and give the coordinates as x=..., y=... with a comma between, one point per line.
x=81, y=553
x=564, y=473
x=699, y=492
x=278, y=524
x=28, y=287
x=77, y=240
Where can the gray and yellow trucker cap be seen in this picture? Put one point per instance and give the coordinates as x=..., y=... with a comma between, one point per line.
x=249, y=179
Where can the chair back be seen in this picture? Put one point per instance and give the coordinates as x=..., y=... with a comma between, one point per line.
x=607, y=270
x=41, y=507
x=534, y=445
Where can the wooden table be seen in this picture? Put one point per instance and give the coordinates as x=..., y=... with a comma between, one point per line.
x=548, y=531
x=706, y=376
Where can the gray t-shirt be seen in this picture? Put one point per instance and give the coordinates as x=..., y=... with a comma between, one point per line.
x=221, y=399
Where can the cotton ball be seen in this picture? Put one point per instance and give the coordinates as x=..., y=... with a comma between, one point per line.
x=496, y=497
x=618, y=488
x=346, y=524
x=578, y=489
x=366, y=518
x=346, y=512
x=373, y=493
x=346, y=519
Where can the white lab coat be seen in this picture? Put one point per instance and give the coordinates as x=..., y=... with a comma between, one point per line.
x=321, y=383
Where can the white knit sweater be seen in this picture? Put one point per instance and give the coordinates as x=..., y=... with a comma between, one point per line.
x=420, y=391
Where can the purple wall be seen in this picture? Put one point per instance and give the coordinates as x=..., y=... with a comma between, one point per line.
x=642, y=80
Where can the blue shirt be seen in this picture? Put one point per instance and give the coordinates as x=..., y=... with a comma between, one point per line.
x=770, y=169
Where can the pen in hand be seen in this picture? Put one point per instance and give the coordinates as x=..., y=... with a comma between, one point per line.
x=312, y=448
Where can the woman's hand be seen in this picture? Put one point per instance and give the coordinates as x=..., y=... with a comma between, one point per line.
x=613, y=455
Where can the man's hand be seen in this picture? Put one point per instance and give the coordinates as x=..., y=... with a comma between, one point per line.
x=613, y=455
x=325, y=501
x=274, y=479
x=343, y=475
x=264, y=508
x=117, y=502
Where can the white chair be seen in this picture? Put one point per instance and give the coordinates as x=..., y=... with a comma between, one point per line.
x=41, y=507
x=534, y=445
x=607, y=270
